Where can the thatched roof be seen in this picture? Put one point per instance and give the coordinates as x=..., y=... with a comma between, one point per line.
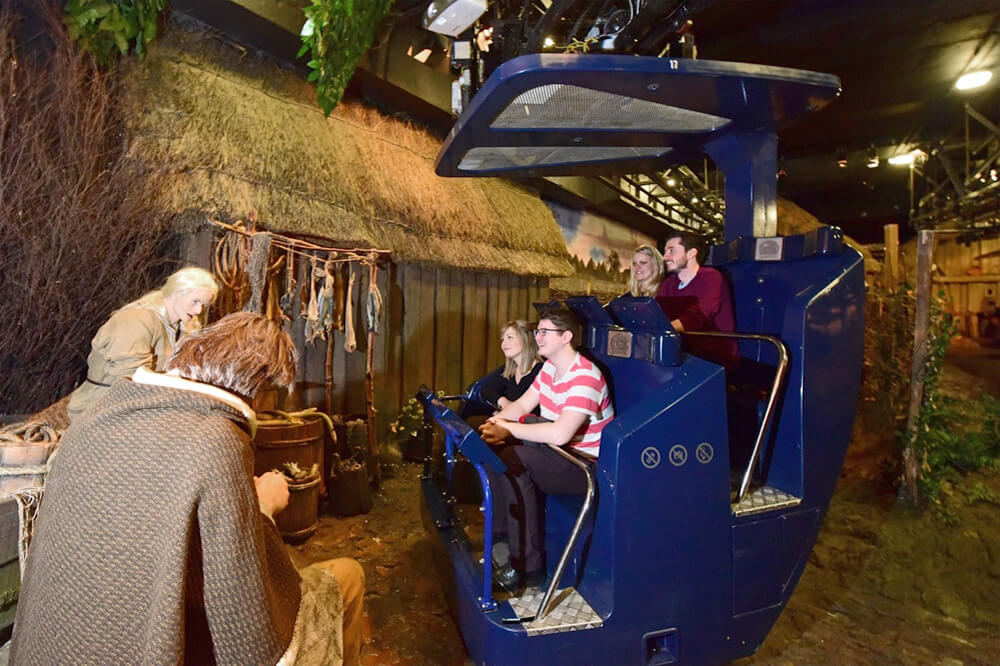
x=795, y=220
x=225, y=134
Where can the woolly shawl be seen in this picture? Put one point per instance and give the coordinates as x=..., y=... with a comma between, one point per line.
x=150, y=547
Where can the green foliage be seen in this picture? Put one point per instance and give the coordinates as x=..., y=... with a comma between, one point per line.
x=952, y=437
x=410, y=421
x=108, y=28
x=888, y=348
x=980, y=492
x=342, y=31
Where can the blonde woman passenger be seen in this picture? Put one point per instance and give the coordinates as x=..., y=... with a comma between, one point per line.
x=143, y=333
x=507, y=384
x=647, y=271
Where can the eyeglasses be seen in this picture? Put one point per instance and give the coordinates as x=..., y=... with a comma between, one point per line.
x=543, y=331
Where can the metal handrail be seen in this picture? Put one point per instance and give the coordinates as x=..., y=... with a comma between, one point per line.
x=776, y=387
x=574, y=535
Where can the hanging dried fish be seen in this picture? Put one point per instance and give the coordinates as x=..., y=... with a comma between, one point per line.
x=326, y=301
x=288, y=298
x=350, y=340
x=338, y=297
x=373, y=309
x=313, y=329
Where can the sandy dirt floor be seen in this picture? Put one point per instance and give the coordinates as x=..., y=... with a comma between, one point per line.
x=884, y=585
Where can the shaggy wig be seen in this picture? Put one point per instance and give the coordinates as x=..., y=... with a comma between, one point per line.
x=241, y=353
x=179, y=281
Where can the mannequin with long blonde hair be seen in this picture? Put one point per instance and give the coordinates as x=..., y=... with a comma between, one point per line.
x=144, y=332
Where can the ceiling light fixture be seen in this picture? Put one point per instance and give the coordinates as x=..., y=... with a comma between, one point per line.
x=973, y=80
x=842, y=158
x=549, y=42
x=908, y=158
x=452, y=17
x=873, y=161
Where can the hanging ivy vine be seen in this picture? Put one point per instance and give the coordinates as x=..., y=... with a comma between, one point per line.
x=108, y=28
x=339, y=33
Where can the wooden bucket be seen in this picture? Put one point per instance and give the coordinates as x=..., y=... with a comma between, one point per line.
x=298, y=443
x=301, y=517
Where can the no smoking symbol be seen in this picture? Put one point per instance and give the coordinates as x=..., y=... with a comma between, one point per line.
x=704, y=453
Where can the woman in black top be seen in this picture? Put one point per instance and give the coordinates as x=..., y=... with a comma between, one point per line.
x=506, y=384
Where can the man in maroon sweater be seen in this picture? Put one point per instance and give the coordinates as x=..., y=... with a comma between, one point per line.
x=697, y=298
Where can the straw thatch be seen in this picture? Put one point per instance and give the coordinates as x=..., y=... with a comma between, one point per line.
x=233, y=134
x=795, y=220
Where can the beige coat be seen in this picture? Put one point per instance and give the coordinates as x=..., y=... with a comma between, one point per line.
x=135, y=336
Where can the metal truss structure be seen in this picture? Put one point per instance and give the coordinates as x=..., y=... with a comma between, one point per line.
x=958, y=187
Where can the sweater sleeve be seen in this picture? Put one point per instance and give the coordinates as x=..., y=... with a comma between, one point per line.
x=127, y=341
x=251, y=590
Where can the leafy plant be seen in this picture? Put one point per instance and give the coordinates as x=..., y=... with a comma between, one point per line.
x=108, y=28
x=410, y=421
x=339, y=33
x=952, y=437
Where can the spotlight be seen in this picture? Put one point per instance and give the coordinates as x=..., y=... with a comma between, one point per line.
x=842, y=158
x=908, y=158
x=873, y=161
x=973, y=80
x=452, y=17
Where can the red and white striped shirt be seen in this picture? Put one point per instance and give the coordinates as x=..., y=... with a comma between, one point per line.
x=581, y=389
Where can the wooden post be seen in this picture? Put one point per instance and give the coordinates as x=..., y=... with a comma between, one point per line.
x=911, y=465
x=890, y=268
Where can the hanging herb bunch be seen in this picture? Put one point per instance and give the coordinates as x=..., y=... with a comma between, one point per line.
x=337, y=34
x=108, y=28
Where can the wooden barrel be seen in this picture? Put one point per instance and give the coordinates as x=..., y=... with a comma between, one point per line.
x=301, y=517
x=288, y=442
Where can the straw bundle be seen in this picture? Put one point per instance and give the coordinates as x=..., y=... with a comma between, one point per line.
x=230, y=134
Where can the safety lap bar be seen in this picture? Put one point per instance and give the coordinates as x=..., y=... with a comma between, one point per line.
x=776, y=387
x=574, y=535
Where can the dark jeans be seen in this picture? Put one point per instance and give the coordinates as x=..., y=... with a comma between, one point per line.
x=533, y=471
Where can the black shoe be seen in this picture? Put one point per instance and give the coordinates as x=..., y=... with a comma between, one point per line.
x=513, y=580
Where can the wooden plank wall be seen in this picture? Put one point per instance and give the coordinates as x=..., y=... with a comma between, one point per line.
x=439, y=327
x=977, y=280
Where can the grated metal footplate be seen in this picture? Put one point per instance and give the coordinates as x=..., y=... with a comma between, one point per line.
x=570, y=612
x=764, y=499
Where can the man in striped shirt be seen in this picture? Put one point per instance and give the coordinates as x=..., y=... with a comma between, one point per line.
x=575, y=406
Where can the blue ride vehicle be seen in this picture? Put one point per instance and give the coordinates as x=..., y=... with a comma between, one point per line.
x=711, y=485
